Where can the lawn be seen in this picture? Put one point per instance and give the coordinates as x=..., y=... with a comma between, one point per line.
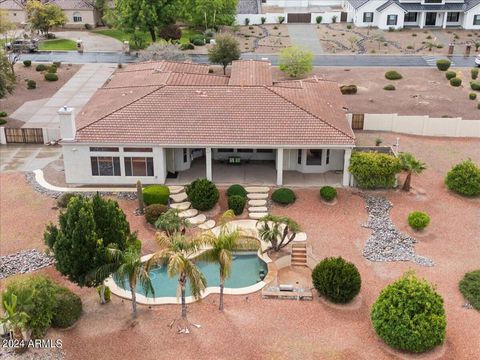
x=58, y=44
x=187, y=33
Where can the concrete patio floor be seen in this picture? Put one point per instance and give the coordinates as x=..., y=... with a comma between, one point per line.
x=29, y=157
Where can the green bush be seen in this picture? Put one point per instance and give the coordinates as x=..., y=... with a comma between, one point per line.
x=237, y=203
x=348, y=89
x=198, y=42
x=389, y=87
x=3, y=122
x=472, y=96
x=443, y=64
x=197, y=37
x=464, y=179
x=318, y=19
x=203, y=194
x=337, y=280
x=52, y=69
x=40, y=67
x=328, y=193
x=418, y=220
x=474, y=73
x=57, y=63
x=393, y=75
x=374, y=170
x=153, y=212
x=456, y=82
x=284, y=196
x=236, y=190
x=31, y=84
x=51, y=77
x=470, y=288
x=475, y=85
x=68, y=308
x=27, y=63
x=3, y=114
x=64, y=199
x=156, y=194
x=188, y=46
x=409, y=315
x=450, y=75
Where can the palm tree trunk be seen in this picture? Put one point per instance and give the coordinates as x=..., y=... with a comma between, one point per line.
x=102, y=294
x=134, y=303
x=184, y=305
x=406, y=184
x=17, y=335
x=222, y=285
x=152, y=34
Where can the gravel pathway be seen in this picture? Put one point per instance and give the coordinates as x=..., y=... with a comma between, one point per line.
x=387, y=243
x=23, y=262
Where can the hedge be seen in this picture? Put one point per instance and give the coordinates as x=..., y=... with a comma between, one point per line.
x=203, y=194
x=464, y=179
x=284, y=196
x=443, y=64
x=470, y=288
x=236, y=190
x=237, y=203
x=418, y=220
x=393, y=75
x=153, y=212
x=374, y=170
x=156, y=194
x=456, y=82
x=328, y=193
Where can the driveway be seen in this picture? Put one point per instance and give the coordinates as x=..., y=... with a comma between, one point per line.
x=304, y=36
x=92, y=41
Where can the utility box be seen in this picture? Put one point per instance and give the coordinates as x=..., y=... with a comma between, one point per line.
x=126, y=47
x=451, y=47
x=80, y=46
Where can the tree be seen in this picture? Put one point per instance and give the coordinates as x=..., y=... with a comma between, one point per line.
x=224, y=51
x=102, y=8
x=5, y=23
x=210, y=13
x=7, y=76
x=15, y=318
x=42, y=17
x=279, y=231
x=127, y=266
x=171, y=223
x=163, y=51
x=411, y=165
x=296, y=61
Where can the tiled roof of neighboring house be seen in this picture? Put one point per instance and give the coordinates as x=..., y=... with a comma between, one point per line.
x=72, y=4
x=161, y=65
x=357, y=3
x=387, y=4
x=413, y=7
x=250, y=72
x=11, y=5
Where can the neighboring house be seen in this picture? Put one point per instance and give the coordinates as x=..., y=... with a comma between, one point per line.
x=15, y=10
x=155, y=120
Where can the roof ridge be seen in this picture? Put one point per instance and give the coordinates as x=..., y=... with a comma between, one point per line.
x=309, y=112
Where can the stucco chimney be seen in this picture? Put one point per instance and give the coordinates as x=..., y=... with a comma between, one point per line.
x=68, y=128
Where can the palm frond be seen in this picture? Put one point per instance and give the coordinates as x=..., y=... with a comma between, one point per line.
x=196, y=279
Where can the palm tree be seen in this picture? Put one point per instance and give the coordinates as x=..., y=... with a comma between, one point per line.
x=177, y=253
x=127, y=266
x=222, y=247
x=15, y=318
x=171, y=223
x=412, y=166
x=279, y=231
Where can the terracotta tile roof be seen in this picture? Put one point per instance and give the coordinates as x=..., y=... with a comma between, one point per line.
x=251, y=72
x=161, y=65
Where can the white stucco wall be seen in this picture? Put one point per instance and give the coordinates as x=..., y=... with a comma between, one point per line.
x=256, y=19
x=303, y=3
x=88, y=17
x=17, y=16
x=468, y=18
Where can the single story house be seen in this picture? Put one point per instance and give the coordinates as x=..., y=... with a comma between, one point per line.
x=154, y=120
x=15, y=10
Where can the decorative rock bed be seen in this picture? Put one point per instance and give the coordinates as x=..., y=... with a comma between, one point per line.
x=23, y=262
x=386, y=243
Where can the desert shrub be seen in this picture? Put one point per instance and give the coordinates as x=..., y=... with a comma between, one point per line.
x=40, y=67
x=247, y=21
x=374, y=170
x=470, y=288
x=198, y=42
x=409, y=315
x=393, y=75
x=464, y=178
x=27, y=63
x=57, y=63
x=450, y=74
x=196, y=37
x=64, y=199
x=107, y=293
x=284, y=196
x=349, y=26
x=170, y=32
x=156, y=194
x=348, y=89
x=88, y=27
x=52, y=69
x=456, y=82
x=472, y=96
x=263, y=19
x=236, y=190
x=3, y=122
x=188, y=46
x=281, y=19
x=389, y=87
x=475, y=85
x=153, y=212
x=203, y=194
x=3, y=114
x=68, y=308
x=474, y=73
x=318, y=19
x=337, y=280
x=328, y=193
x=237, y=203
x=443, y=64
x=31, y=84
x=418, y=220
x=51, y=77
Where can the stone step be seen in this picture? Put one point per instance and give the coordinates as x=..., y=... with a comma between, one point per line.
x=299, y=257
x=181, y=206
x=197, y=220
x=207, y=225
x=257, y=202
x=257, y=209
x=257, y=189
x=257, y=215
x=188, y=213
x=175, y=189
x=180, y=197
x=297, y=263
x=257, y=196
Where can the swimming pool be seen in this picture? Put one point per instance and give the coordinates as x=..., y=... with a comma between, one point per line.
x=247, y=270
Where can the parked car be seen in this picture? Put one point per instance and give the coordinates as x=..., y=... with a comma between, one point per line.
x=22, y=45
x=477, y=60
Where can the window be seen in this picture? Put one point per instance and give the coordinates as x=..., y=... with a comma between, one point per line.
x=476, y=20
x=266, y=151
x=77, y=17
x=299, y=157
x=185, y=155
x=453, y=17
x=137, y=149
x=368, y=17
x=104, y=149
x=226, y=150
x=327, y=160
x=138, y=166
x=411, y=17
x=314, y=157
x=432, y=1
x=245, y=150
x=392, y=19
x=105, y=166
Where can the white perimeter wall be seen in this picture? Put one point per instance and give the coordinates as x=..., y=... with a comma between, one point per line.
x=272, y=18
x=303, y=3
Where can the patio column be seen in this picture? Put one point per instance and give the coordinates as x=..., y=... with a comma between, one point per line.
x=444, y=25
x=279, y=166
x=346, y=164
x=422, y=19
x=162, y=165
x=208, y=157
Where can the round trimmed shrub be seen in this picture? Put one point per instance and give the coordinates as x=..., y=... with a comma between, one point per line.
x=51, y=77
x=198, y=42
x=27, y=63
x=464, y=179
x=52, y=69
x=40, y=67
x=68, y=308
x=3, y=114
x=389, y=87
x=393, y=75
x=31, y=84
x=348, y=89
x=474, y=73
x=57, y=63
x=470, y=288
x=156, y=194
x=418, y=220
x=475, y=85
x=64, y=199
x=328, y=193
x=443, y=64
x=237, y=203
x=284, y=196
x=450, y=75
x=153, y=212
x=337, y=280
x=236, y=190
x=203, y=194
x=456, y=82
x=472, y=96
x=409, y=315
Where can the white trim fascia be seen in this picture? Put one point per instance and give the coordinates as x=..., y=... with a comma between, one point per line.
x=192, y=146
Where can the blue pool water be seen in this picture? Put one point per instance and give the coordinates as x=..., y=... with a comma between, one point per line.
x=245, y=272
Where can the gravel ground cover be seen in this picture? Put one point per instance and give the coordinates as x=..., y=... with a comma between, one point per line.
x=23, y=262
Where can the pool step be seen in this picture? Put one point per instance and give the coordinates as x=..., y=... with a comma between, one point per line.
x=180, y=197
x=197, y=220
x=181, y=206
x=188, y=213
x=257, y=196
